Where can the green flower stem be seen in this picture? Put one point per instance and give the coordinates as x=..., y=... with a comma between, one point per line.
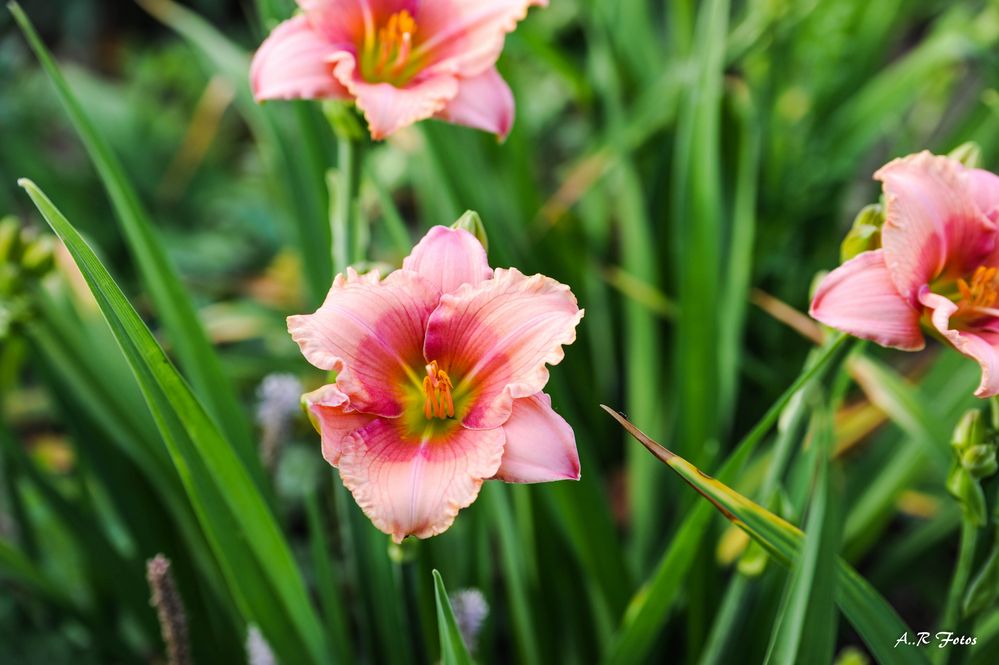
x=962, y=572
x=347, y=231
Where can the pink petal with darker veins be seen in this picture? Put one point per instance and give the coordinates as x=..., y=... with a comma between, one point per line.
x=292, y=63
x=413, y=487
x=388, y=108
x=860, y=298
x=932, y=225
x=540, y=445
x=331, y=414
x=980, y=343
x=468, y=34
x=371, y=333
x=984, y=187
x=447, y=258
x=495, y=340
x=483, y=102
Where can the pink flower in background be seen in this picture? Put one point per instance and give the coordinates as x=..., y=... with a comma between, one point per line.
x=440, y=368
x=938, y=264
x=401, y=61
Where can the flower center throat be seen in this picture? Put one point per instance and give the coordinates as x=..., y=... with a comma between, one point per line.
x=982, y=292
x=386, y=54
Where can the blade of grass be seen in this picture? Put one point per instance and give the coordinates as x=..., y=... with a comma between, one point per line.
x=515, y=573
x=235, y=517
x=327, y=584
x=650, y=606
x=643, y=362
x=871, y=616
x=739, y=260
x=805, y=629
x=180, y=319
x=453, y=651
x=696, y=219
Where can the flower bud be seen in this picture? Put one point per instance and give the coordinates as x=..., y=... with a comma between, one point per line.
x=980, y=460
x=968, y=491
x=970, y=431
x=10, y=232
x=38, y=256
x=968, y=153
x=865, y=233
x=472, y=223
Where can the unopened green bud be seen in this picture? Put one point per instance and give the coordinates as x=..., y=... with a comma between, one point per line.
x=753, y=561
x=968, y=491
x=38, y=256
x=865, y=234
x=968, y=154
x=970, y=431
x=851, y=656
x=472, y=223
x=10, y=235
x=980, y=460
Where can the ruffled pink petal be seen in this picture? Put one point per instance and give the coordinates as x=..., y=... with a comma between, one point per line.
x=932, y=225
x=371, y=333
x=387, y=108
x=494, y=340
x=330, y=412
x=483, y=102
x=413, y=487
x=292, y=63
x=468, y=35
x=349, y=20
x=860, y=298
x=447, y=258
x=980, y=344
x=540, y=445
x=984, y=188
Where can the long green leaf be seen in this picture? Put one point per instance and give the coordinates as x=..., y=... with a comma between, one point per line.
x=180, y=319
x=453, y=650
x=236, y=519
x=869, y=613
x=805, y=629
x=650, y=606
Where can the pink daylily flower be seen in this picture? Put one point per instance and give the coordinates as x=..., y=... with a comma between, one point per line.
x=938, y=264
x=401, y=61
x=440, y=370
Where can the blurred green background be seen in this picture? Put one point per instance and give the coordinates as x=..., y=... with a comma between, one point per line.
x=686, y=167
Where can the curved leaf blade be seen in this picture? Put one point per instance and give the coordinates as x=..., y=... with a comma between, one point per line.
x=453, y=651
x=236, y=519
x=868, y=612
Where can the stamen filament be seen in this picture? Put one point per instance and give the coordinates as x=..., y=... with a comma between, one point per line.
x=437, y=399
x=979, y=295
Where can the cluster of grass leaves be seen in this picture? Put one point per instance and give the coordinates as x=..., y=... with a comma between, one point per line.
x=670, y=161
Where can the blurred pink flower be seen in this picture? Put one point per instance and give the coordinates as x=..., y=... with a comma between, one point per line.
x=938, y=264
x=440, y=368
x=401, y=61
